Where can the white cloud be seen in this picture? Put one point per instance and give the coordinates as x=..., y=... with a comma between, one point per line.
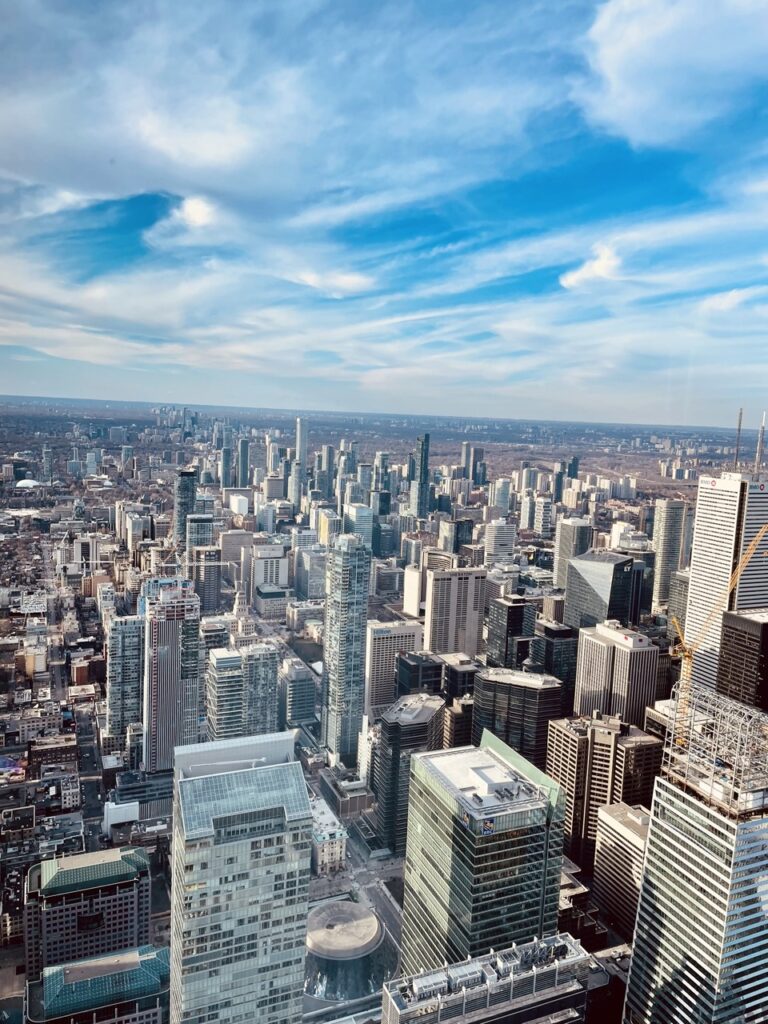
x=196, y=212
x=725, y=302
x=604, y=265
x=337, y=284
x=664, y=68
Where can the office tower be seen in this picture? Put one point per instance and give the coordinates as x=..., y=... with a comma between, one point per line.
x=346, y=612
x=457, y=722
x=171, y=670
x=85, y=905
x=743, y=669
x=309, y=572
x=599, y=761
x=499, y=494
x=296, y=683
x=418, y=672
x=542, y=516
x=459, y=672
x=412, y=724
x=547, y=981
x=47, y=465
x=701, y=938
x=243, y=462
x=511, y=622
x=622, y=832
x=517, y=707
x=478, y=467
x=358, y=519
x=242, y=831
x=466, y=459
x=328, y=526
x=616, y=673
x=205, y=572
x=184, y=490
x=573, y=468
x=241, y=691
x=125, y=674
x=678, y=602
x=455, y=604
x=668, y=531
x=381, y=473
x=729, y=513
x=527, y=511
x=383, y=642
x=500, y=539
x=420, y=492
x=483, y=854
x=225, y=467
x=554, y=647
x=599, y=587
x=295, y=484
x=572, y=537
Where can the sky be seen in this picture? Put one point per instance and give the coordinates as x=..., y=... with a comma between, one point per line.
x=548, y=208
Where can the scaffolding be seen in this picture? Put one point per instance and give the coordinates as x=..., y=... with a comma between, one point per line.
x=723, y=756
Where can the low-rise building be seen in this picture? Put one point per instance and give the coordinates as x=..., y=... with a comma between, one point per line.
x=329, y=839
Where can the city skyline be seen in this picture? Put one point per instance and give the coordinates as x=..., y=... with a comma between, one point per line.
x=403, y=210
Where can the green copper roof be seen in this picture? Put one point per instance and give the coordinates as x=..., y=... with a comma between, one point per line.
x=87, y=984
x=89, y=870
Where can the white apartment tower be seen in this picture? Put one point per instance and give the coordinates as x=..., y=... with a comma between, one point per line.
x=701, y=937
x=242, y=691
x=454, y=610
x=729, y=512
x=242, y=832
x=171, y=669
x=668, y=535
x=572, y=537
x=615, y=672
x=347, y=577
x=500, y=539
x=383, y=642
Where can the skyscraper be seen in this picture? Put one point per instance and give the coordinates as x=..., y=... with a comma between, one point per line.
x=517, y=707
x=622, y=833
x=511, y=622
x=241, y=691
x=616, y=672
x=599, y=587
x=500, y=540
x=347, y=577
x=701, y=938
x=420, y=485
x=242, y=830
x=243, y=462
x=455, y=605
x=572, y=537
x=225, y=467
x=483, y=854
x=668, y=534
x=204, y=564
x=677, y=602
x=384, y=641
x=729, y=512
x=743, y=671
x=171, y=669
x=184, y=490
x=412, y=724
x=302, y=434
x=125, y=674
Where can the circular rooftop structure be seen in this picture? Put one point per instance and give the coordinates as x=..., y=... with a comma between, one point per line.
x=342, y=931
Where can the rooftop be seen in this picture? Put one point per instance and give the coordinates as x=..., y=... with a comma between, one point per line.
x=514, y=677
x=342, y=930
x=753, y=614
x=88, y=870
x=414, y=709
x=632, y=820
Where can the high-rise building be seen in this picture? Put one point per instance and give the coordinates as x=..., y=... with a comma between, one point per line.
x=500, y=540
x=85, y=905
x=517, y=707
x=418, y=672
x=242, y=835
x=302, y=435
x=296, y=682
x=242, y=692
x=412, y=724
x=243, y=462
x=184, y=490
x=225, y=467
x=546, y=981
x=358, y=519
x=677, y=603
x=171, y=669
x=729, y=513
x=205, y=572
x=383, y=642
x=572, y=537
x=542, y=515
x=455, y=605
x=554, y=648
x=599, y=587
x=701, y=938
x=622, y=833
x=743, y=670
x=125, y=674
x=511, y=623
x=420, y=484
x=668, y=534
x=483, y=854
x=346, y=611
x=599, y=761
x=616, y=672
x=199, y=532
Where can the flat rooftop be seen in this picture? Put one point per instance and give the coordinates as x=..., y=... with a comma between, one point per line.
x=414, y=709
x=481, y=780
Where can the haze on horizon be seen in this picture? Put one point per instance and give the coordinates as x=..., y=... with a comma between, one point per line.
x=551, y=211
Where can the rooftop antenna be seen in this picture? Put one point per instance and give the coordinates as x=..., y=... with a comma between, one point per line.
x=760, y=446
x=738, y=440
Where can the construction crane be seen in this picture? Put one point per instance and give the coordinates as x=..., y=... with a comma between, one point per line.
x=687, y=651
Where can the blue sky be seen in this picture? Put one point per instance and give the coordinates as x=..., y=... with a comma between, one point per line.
x=553, y=209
